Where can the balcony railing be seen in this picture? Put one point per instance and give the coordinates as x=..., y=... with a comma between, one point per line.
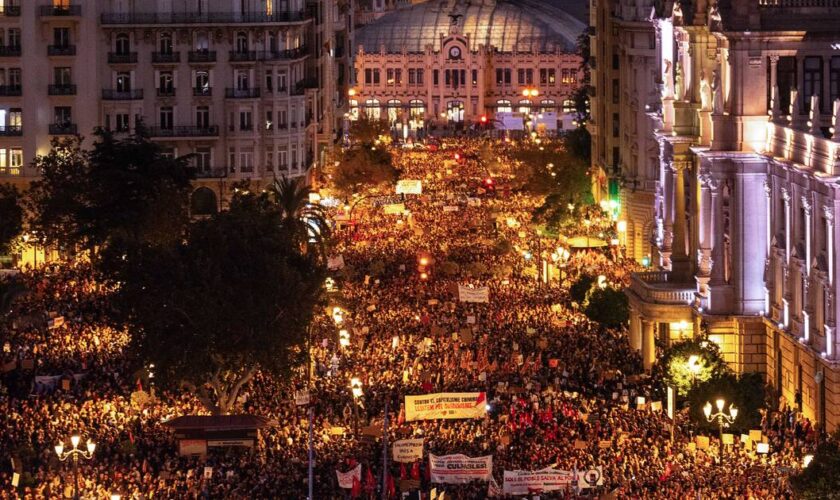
x=243, y=56
x=10, y=51
x=267, y=55
x=166, y=92
x=655, y=287
x=201, y=56
x=11, y=130
x=61, y=50
x=122, y=95
x=204, y=18
x=210, y=172
x=166, y=57
x=242, y=93
x=10, y=10
x=202, y=92
x=63, y=129
x=11, y=90
x=63, y=89
x=122, y=58
x=184, y=131
x=60, y=10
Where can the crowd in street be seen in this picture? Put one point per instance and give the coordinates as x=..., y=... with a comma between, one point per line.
x=562, y=391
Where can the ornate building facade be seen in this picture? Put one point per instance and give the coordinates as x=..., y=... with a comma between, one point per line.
x=453, y=62
x=746, y=197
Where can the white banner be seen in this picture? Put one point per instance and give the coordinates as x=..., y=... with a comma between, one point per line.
x=522, y=482
x=334, y=263
x=302, y=398
x=408, y=450
x=591, y=478
x=460, y=468
x=410, y=186
x=448, y=405
x=511, y=121
x=394, y=209
x=480, y=294
x=345, y=479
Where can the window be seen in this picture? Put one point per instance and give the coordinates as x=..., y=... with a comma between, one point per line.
x=61, y=37
x=785, y=80
x=615, y=125
x=269, y=160
x=123, y=122
x=500, y=78
x=165, y=45
x=529, y=76
x=282, y=79
x=241, y=42
x=372, y=109
x=834, y=79
x=524, y=106
x=504, y=106
x=548, y=76
x=242, y=80
x=11, y=161
x=202, y=117
x=62, y=77
x=568, y=76
x=547, y=106
x=245, y=120
x=123, y=44
x=202, y=159
x=416, y=109
x=166, y=116
x=508, y=73
x=269, y=80
x=282, y=119
x=474, y=77
x=283, y=160
x=14, y=37
x=246, y=161
x=202, y=82
x=202, y=42
x=14, y=78
x=123, y=82
x=269, y=119
x=376, y=77
x=15, y=119
x=615, y=91
x=394, y=106
x=568, y=106
x=165, y=83
x=615, y=61
x=63, y=116
x=435, y=77
x=412, y=76
x=811, y=80
x=520, y=76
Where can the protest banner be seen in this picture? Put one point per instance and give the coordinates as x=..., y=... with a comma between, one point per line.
x=345, y=479
x=394, y=209
x=335, y=263
x=458, y=469
x=480, y=294
x=591, y=478
x=408, y=450
x=409, y=186
x=302, y=398
x=450, y=405
x=523, y=482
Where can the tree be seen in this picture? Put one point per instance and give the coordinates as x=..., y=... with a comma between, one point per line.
x=581, y=287
x=11, y=216
x=819, y=480
x=746, y=392
x=367, y=130
x=123, y=192
x=608, y=307
x=235, y=297
x=690, y=362
x=364, y=165
x=304, y=222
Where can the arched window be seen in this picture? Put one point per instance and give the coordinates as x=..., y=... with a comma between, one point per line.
x=241, y=42
x=524, y=106
x=354, y=109
x=455, y=111
x=165, y=43
x=203, y=202
x=417, y=109
x=503, y=106
x=123, y=44
x=547, y=106
x=242, y=81
x=394, y=107
x=372, y=109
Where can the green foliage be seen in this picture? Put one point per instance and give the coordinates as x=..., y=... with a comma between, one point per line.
x=608, y=307
x=745, y=392
x=820, y=479
x=11, y=216
x=581, y=287
x=368, y=131
x=233, y=297
x=364, y=165
x=121, y=192
x=674, y=366
x=304, y=223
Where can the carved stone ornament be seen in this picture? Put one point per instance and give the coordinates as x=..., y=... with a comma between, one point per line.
x=828, y=213
x=806, y=205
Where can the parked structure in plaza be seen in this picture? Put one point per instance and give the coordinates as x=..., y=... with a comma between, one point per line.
x=249, y=87
x=744, y=237
x=453, y=62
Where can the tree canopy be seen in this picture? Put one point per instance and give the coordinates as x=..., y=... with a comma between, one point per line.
x=819, y=480
x=364, y=165
x=305, y=223
x=234, y=297
x=11, y=216
x=608, y=307
x=690, y=362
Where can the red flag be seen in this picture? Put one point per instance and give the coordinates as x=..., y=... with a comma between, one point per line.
x=139, y=385
x=415, y=471
x=403, y=472
x=356, y=490
x=392, y=489
x=370, y=482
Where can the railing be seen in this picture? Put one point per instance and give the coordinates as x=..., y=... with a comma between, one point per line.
x=11, y=90
x=11, y=130
x=10, y=10
x=202, y=92
x=243, y=55
x=166, y=57
x=268, y=55
x=122, y=58
x=122, y=95
x=795, y=4
x=210, y=172
x=61, y=50
x=166, y=92
x=63, y=129
x=184, y=131
x=201, y=56
x=63, y=89
x=654, y=287
x=203, y=18
x=60, y=10
x=242, y=93
x=10, y=51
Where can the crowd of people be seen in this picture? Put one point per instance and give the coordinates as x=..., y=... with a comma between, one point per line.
x=562, y=391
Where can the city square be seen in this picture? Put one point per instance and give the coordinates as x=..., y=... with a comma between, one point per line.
x=433, y=250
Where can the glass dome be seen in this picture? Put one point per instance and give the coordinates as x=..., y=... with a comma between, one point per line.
x=537, y=26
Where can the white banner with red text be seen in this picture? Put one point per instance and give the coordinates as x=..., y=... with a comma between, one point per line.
x=448, y=405
x=523, y=482
x=345, y=479
x=458, y=469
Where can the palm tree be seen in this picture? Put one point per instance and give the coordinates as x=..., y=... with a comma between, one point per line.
x=305, y=222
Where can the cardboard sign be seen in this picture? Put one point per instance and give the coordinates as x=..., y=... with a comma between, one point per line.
x=755, y=436
x=408, y=450
x=302, y=398
x=409, y=186
x=208, y=472
x=580, y=444
x=728, y=439
x=702, y=442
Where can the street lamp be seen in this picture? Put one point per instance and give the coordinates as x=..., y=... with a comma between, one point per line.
x=721, y=418
x=694, y=367
x=356, y=391
x=75, y=453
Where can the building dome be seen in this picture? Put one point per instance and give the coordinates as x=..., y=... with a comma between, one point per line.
x=506, y=25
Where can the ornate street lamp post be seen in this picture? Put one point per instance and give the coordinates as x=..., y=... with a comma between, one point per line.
x=721, y=418
x=75, y=453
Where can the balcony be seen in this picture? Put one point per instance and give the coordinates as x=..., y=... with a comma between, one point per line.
x=166, y=57
x=122, y=95
x=61, y=10
x=184, y=131
x=192, y=18
x=11, y=90
x=243, y=55
x=122, y=58
x=61, y=50
x=10, y=51
x=278, y=55
x=11, y=131
x=63, y=89
x=166, y=92
x=202, y=92
x=655, y=287
x=64, y=129
x=201, y=56
x=210, y=172
x=10, y=10
x=242, y=93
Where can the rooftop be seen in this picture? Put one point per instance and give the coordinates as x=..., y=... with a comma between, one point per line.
x=508, y=25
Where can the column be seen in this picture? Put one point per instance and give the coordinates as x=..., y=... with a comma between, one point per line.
x=635, y=331
x=681, y=266
x=717, y=238
x=705, y=226
x=648, y=345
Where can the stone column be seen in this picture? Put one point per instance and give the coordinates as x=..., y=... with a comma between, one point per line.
x=648, y=344
x=680, y=263
x=635, y=331
x=717, y=235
